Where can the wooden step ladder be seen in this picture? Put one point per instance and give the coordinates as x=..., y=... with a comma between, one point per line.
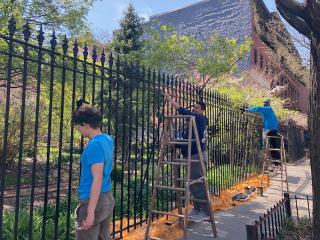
x=181, y=184
x=268, y=161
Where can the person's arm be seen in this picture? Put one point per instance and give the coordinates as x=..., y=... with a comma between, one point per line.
x=177, y=106
x=96, y=161
x=256, y=109
x=173, y=103
x=97, y=173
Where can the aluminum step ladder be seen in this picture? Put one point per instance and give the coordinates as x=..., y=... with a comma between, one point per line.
x=268, y=161
x=181, y=184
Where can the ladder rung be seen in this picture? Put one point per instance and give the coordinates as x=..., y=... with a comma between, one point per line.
x=273, y=160
x=177, y=143
x=154, y=238
x=197, y=200
x=183, y=140
x=174, y=163
x=181, y=179
x=186, y=160
x=171, y=188
x=273, y=137
x=168, y=213
x=197, y=180
x=274, y=149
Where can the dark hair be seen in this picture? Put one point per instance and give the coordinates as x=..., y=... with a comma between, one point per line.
x=86, y=113
x=81, y=102
x=202, y=105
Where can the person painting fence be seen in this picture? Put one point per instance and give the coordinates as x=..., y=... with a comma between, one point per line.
x=200, y=212
x=270, y=126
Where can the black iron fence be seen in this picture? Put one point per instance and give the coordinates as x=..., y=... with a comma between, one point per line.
x=295, y=136
x=40, y=151
x=272, y=223
x=302, y=207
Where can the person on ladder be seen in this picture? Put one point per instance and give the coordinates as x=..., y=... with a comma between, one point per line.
x=200, y=211
x=270, y=128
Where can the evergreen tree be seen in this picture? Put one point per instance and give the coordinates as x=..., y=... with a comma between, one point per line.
x=129, y=38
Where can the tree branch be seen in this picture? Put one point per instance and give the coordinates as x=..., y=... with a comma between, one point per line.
x=294, y=8
x=294, y=20
x=218, y=73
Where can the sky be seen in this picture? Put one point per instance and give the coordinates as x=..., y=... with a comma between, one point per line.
x=104, y=16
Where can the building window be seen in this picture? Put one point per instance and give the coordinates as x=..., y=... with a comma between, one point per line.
x=255, y=56
x=261, y=61
x=273, y=70
x=267, y=66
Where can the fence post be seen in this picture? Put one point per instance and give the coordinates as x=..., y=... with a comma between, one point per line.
x=288, y=207
x=252, y=232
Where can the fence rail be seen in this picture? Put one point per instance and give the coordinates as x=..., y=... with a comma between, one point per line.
x=40, y=82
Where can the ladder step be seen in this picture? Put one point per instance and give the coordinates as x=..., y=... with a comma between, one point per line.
x=181, y=179
x=274, y=149
x=273, y=160
x=183, y=140
x=174, y=163
x=197, y=180
x=197, y=200
x=177, y=143
x=193, y=181
x=168, y=213
x=154, y=238
x=186, y=160
x=273, y=137
x=171, y=188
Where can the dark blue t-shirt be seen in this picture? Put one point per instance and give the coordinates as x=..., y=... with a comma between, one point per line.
x=202, y=124
x=99, y=149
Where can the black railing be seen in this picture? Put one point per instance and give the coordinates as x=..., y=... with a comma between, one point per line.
x=302, y=207
x=270, y=225
x=40, y=150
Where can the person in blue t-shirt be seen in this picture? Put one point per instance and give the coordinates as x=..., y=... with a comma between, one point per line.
x=200, y=212
x=270, y=126
x=96, y=200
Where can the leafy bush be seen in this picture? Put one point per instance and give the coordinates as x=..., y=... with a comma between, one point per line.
x=14, y=131
x=23, y=224
x=296, y=230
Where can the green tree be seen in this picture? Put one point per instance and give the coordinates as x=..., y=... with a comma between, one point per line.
x=128, y=39
x=68, y=17
x=222, y=56
x=166, y=50
x=186, y=56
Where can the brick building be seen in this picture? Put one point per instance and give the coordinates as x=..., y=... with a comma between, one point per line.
x=273, y=57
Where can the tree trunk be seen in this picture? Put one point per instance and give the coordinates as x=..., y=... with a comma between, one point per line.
x=314, y=125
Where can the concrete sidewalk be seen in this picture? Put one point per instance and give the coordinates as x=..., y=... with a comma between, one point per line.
x=231, y=224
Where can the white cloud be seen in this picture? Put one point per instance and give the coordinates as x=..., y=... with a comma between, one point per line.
x=145, y=13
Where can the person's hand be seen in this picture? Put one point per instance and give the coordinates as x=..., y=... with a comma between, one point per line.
x=242, y=109
x=88, y=222
x=166, y=95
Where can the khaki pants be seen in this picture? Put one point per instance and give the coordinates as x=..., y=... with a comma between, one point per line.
x=103, y=213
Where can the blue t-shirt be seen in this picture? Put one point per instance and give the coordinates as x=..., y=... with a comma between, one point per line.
x=98, y=150
x=202, y=123
x=270, y=121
